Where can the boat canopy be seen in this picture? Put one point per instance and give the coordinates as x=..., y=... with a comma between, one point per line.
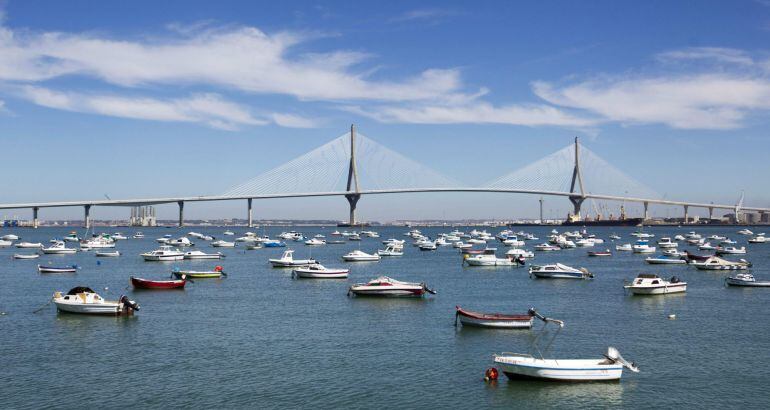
x=80, y=289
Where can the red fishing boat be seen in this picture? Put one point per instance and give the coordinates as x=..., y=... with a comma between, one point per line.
x=140, y=283
x=493, y=320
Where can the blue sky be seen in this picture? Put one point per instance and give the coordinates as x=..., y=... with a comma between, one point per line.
x=147, y=99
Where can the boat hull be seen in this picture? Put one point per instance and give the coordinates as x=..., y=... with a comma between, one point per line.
x=558, y=275
x=747, y=283
x=658, y=290
x=388, y=291
x=494, y=320
x=314, y=274
x=140, y=283
x=558, y=370
x=108, y=309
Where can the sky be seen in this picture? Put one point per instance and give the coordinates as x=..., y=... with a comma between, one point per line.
x=155, y=99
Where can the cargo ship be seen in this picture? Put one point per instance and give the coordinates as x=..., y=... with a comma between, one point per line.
x=575, y=220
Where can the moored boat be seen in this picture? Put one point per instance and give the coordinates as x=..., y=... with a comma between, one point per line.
x=287, y=260
x=525, y=366
x=559, y=271
x=745, y=279
x=666, y=260
x=217, y=272
x=26, y=256
x=318, y=271
x=359, y=256
x=140, y=283
x=83, y=300
x=108, y=254
x=650, y=284
x=600, y=253
x=717, y=263
x=57, y=269
x=492, y=320
x=202, y=255
x=163, y=253
x=385, y=286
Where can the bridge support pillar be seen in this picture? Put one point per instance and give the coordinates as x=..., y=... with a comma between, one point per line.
x=34, y=217
x=87, y=216
x=248, y=218
x=181, y=213
x=686, y=208
x=646, y=210
x=577, y=201
x=711, y=213
x=353, y=201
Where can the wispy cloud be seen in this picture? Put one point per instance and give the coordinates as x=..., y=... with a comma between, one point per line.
x=209, y=109
x=242, y=58
x=432, y=14
x=719, y=91
x=478, y=112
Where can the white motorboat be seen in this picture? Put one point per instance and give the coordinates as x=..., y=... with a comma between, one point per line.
x=475, y=241
x=666, y=260
x=727, y=241
x=84, y=300
x=5, y=244
x=491, y=260
x=119, y=236
x=428, y=246
x=229, y=233
x=10, y=237
x=707, y=247
x=223, y=244
x=71, y=237
x=545, y=247
x=318, y=271
x=391, y=250
x=26, y=255
x=24, y=245
x=524, y=366
x=559, y=271
x=585, y=243
x=392, y=241
x=759, y=238
x=461, y=245
x=385, y=286
x=717, y=263
x=673, y=252
x=202, y=255
x=164, y=239
x=315, y=242
x=163, y=253
x=520, y=253
x=59, y=248
x=98, y=242
x=107, y=254
x=746, y=279
x=614, y=237
x=181, y=242
x=666, y=242
x=693, y=235
x=745, y=231
x=287, y=260
x=138, y=235
x=359, y=256
x=567, y=244
x=643, y=247
x=626, y=247
x=650, y=284
x=731, y=250
x=716, y=237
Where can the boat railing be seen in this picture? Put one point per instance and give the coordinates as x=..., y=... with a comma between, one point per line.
x=515, y=354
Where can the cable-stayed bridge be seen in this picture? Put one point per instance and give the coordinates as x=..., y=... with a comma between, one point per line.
x=353, y=166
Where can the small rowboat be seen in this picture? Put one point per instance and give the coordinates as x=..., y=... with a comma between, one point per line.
x=25, y=256
x=492, y=320
x=600, y=253
x=218, y=272
x=140, y=283
x=108, y=254
x=57, y=269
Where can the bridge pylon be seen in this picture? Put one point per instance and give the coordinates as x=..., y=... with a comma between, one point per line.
x=352, y=185
x=577, y=179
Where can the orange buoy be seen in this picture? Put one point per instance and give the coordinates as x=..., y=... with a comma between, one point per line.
x=491, y=375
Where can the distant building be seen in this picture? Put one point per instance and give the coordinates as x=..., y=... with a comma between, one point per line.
x=764, y=217
x=750, y=218
x=143, y=216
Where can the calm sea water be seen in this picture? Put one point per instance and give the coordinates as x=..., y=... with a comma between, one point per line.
x=259, y=338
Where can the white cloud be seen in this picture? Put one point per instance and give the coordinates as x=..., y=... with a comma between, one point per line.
x=423, y=14
x=714, y=54
x=475, y=113
x=706, y=101
x=242, y=58
x=209, y=109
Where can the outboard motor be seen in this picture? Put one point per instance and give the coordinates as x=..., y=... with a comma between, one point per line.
x=675, y=279
x=128, y=303
x=614, y=355
x=521, y=260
